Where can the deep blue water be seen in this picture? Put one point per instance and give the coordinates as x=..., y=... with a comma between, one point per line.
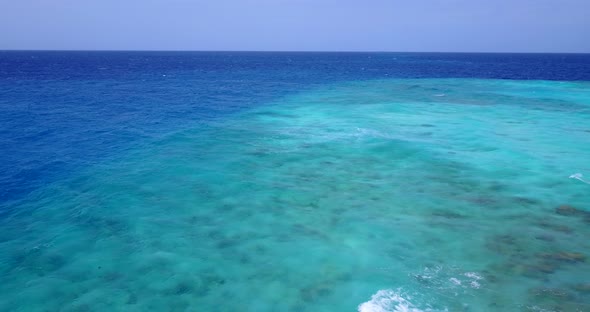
x=64, y=110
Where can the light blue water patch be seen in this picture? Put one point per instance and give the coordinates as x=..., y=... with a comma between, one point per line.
x=393, y=195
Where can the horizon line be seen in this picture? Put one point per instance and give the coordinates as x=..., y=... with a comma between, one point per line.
x=284, y=51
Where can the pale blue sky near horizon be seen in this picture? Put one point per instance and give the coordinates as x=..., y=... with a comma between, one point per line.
x=298, y=25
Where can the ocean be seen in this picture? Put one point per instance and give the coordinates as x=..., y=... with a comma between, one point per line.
x=279, y=181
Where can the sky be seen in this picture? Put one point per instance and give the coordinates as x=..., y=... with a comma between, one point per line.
x=297, y=25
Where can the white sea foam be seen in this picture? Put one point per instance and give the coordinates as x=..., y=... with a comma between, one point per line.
x=579, y=176
x=446, y=278
x=387, y=300
x=473, y=275
x=475, y=278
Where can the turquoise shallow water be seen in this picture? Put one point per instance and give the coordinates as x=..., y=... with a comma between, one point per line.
x=384, y=195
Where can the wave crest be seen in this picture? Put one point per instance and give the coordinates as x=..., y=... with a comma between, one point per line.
x=387, y=300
